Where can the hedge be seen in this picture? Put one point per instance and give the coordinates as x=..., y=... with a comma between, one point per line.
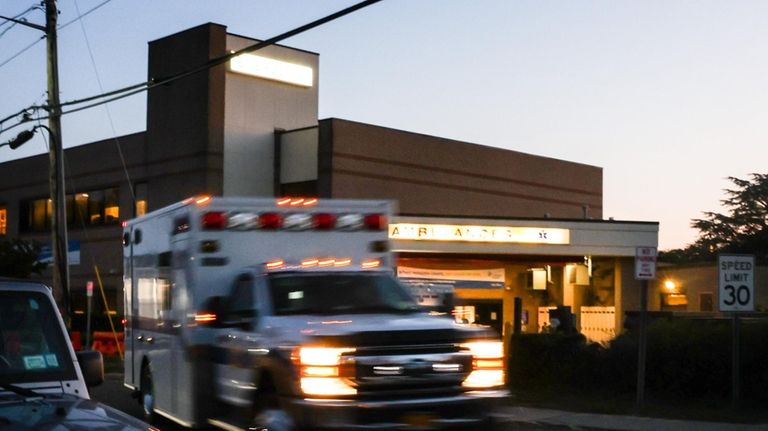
x=685, y=358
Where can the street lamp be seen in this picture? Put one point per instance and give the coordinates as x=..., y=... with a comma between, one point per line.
x=59, y=241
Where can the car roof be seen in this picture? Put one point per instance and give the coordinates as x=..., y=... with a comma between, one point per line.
x=23, y=285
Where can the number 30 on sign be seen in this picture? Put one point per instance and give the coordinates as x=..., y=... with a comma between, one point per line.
x=736, y=281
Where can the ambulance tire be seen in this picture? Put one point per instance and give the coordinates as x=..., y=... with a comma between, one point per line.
x=269, y=415
x=274, y=420
x=489, y=424
x=147, y=396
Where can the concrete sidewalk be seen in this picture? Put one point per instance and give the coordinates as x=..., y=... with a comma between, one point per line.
x=590, y=421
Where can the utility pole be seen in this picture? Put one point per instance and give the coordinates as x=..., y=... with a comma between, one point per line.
x=59, y=243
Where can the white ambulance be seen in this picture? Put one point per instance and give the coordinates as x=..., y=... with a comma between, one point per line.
x=284, y=314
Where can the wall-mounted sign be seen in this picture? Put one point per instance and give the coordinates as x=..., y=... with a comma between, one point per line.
x=269, y=68
x=471, y=233
x=462, y=277
x=73, y=253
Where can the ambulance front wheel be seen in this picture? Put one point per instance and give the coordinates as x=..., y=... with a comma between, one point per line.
x=270, y=416
x=147, y=398
x=274, y=420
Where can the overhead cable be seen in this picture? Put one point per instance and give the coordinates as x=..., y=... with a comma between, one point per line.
x=26, y=48
x=152, y=83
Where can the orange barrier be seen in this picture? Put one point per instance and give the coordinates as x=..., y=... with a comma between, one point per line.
x=104, y=342
x=77, y=341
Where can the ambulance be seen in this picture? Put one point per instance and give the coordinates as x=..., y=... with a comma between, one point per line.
x=284, y=314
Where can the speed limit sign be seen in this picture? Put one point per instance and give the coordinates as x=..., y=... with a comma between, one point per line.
x=737, y=283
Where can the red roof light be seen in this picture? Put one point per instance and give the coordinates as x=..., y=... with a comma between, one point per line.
x=271, y=220
x=214, y=220
x=324, y=221
x=375, y=221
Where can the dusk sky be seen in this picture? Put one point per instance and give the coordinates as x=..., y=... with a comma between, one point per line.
x=668, y=97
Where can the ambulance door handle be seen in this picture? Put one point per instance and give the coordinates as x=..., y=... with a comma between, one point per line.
x=140, y=338
x=150, y=340
x=225, y=338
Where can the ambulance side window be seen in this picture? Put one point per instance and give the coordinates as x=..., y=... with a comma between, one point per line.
x=241, y=304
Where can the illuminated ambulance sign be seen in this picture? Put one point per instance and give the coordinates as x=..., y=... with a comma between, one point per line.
x=269, y=68
x=474, y=233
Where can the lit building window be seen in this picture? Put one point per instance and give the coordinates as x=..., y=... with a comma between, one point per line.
x=3, y=221
x=141, y=199
x=111, y=206
x=92, y=208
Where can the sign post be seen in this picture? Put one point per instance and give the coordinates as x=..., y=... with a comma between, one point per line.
x=645, y=269
x=736, y=294
x=89, y=294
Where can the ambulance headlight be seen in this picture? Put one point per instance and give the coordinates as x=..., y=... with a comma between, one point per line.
x=324, y=371
x=487, y=364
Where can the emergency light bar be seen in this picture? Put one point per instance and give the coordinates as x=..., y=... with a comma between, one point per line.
x=322, y=262
x=222, y=220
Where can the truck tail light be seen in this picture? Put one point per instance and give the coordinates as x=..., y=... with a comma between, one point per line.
x=214, y=220
x=375, y=221
x=487, y=364
x=323, y=372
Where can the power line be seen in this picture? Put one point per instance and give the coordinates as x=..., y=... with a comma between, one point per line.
x=106, y=106
x=152, y=83
x=81, y=16
x=23, y=50
x=14, y=23
x=28, y=47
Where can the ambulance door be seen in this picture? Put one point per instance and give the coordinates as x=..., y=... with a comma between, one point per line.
x=240, y=345
x=130, y=310
x=182, y=376
x=161, y=338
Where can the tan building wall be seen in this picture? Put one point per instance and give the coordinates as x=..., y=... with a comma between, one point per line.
x=431, y=175
x=696, y=283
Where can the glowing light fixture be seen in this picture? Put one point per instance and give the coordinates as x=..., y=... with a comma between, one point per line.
x=269, y=68
x=670, y=285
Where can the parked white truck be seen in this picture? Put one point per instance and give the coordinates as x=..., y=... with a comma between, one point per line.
x=284, y=314
x=44, y=382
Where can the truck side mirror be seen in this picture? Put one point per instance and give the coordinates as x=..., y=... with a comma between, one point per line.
x=92, y=366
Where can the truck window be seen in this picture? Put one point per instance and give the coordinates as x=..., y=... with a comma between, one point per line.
x=329, y=293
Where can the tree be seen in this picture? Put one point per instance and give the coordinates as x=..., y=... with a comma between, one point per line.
x=744, y=229
x=19, y=258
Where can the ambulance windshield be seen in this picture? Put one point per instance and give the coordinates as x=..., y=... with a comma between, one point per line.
x=339, y=293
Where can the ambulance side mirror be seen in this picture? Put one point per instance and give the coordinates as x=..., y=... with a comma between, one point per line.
x=215, y=306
